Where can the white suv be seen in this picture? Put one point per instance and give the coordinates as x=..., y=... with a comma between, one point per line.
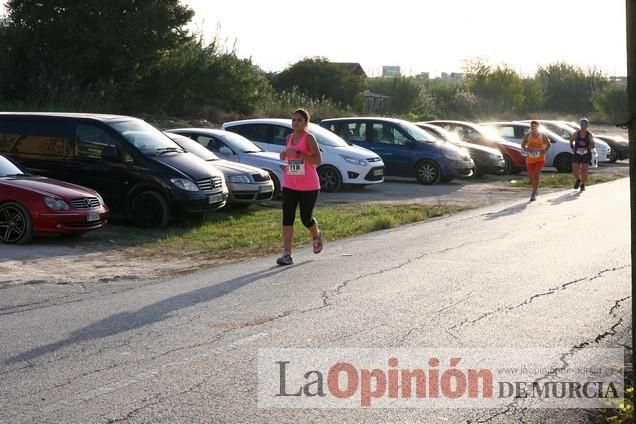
x=560, y=153
x=342, y=163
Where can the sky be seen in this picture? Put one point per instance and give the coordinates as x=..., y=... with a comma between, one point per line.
x=420, y=36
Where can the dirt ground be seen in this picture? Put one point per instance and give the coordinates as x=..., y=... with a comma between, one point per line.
x=98, y=256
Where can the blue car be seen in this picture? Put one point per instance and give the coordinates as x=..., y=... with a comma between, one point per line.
x=406, y=149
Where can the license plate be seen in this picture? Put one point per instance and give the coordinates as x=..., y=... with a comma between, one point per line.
x=216, y=198
x=378, y=172
x=92, y=216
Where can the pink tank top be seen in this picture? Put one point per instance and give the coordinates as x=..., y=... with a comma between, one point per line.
x=299, y=174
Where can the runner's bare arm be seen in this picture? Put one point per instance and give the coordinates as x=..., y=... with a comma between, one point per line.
x=315, y=156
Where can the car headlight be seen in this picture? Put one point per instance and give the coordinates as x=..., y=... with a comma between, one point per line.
x=354, y=161
x=101, y=200
x=496, y=157
x=55, y=204
x=184, y=184
x=241, y=178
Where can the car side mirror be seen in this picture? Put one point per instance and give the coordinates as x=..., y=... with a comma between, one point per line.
x=111, y=154
x=226, y=151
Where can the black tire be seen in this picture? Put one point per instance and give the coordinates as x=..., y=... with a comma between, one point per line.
x=274, y=178
x=508, y=165
x=563, y=163
x=477, y=171
x=613, y=156
x=427, y=172
x=16, y=226
x=149, y=209
x=330, y=179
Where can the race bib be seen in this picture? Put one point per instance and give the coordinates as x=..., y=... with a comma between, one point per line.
x=534, y=153
x=581, y=151
x=296, y=167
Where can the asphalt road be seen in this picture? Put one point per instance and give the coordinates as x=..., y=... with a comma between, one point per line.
x=552, y=273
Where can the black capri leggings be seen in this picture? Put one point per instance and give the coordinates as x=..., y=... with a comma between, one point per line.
x=307, y=200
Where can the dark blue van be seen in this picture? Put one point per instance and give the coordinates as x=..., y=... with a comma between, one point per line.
x=139, y=171
x=406, y=149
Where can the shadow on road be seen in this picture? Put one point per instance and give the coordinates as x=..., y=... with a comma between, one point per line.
x=567, y=197
x=508, y=211
x=126, y=321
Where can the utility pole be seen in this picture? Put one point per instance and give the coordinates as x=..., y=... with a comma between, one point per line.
x=631, y=126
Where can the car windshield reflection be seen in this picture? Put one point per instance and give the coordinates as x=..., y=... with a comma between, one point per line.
x=145, y=137
x=8, y=169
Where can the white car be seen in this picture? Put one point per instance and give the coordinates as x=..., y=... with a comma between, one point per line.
x=564, y=130
x=560, y=153
x=236, y=148
x=342, y=163
x=246, y=184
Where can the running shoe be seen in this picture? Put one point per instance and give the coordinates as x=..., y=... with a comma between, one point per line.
x=577, y=184
x=582, y=187
x=285, y=259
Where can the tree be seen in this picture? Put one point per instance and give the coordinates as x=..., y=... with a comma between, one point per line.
x=500, y=89
x=611, y=103
x=406, y=92
x=318, y=78
x=196, y=76
x=568, y=88
x=103, y=46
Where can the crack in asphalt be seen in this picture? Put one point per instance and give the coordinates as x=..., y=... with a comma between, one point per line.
x=338, y=290
x=25, y=305
x=536, y=296
x=158, y=398
x=54, y=302
x=403, y=338
x=569, y=353
x=146, y=403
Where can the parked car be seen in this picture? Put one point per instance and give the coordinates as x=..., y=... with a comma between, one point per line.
x=342, y=162
x=406, y=149
x=487, y=160
x=236, y=148
x=30, y=205
x=138, y=170
x=618, y=145
x=477, y=134
x=607, y=150
x=245, y=183
x=560, y=153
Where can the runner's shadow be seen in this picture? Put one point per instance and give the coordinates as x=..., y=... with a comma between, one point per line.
x=505, y=212
x=567, y=197
x=150, y=314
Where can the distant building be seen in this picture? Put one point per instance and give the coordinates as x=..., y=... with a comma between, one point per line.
x=453, y=76
x=620, y=81
x=377, y=104
x=391, y=71
x=423, y=76
x=354, y=68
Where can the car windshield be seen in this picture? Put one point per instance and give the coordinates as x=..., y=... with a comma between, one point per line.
x=192, y=146
x=239, y=143
x=145, y=137
x=563, y=129
x=7, y=168
x=418, y=133
x=326, y=137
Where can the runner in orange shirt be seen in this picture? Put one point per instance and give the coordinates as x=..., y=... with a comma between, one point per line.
x=536, y=144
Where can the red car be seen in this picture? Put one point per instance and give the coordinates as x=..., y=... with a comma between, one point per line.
x=37, y=205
